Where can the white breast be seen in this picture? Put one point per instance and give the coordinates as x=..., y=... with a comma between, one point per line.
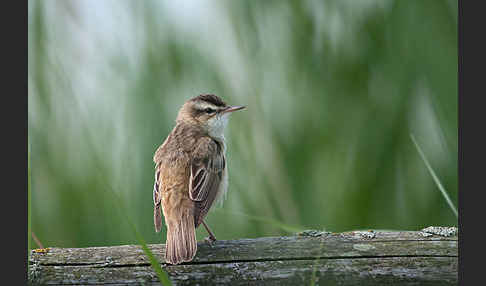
x=223, y=187
x=216, y=126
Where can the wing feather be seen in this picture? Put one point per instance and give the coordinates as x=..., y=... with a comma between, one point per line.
x=206, y=174
x=157, y=198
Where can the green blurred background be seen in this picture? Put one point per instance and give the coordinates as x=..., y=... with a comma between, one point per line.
x=333, y=89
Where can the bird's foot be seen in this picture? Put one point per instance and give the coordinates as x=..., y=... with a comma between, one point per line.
x=210, y=240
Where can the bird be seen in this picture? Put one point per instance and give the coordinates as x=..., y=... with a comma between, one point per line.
x=191, y=174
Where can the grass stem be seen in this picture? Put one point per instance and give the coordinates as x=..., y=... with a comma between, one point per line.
x=434, y=176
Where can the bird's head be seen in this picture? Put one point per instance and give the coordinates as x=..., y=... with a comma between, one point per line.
x=208, y=112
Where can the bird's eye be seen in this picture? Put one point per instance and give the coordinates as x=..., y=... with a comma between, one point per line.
x=209, y=110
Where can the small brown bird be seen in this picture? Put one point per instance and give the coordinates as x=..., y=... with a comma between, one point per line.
x=191, y=173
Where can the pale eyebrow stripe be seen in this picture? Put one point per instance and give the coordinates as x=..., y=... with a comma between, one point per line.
x=204, y=105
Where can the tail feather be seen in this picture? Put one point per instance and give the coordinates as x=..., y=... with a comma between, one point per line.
x=181, y=244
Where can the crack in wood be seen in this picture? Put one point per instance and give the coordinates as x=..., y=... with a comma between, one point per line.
x=105, y=265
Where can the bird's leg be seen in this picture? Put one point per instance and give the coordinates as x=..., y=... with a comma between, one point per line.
x=211, y=238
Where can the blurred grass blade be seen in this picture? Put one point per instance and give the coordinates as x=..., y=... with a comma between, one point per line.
x=161, y=273
x=277, y=224
x=314, y=267
x=37, y=241
x=29, y=226
x=163, y=276
x=432, y=173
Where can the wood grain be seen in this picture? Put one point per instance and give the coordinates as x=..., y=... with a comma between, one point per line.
x=351, y=258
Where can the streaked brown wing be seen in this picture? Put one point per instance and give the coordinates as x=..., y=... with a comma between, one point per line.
x=157, y=198
x=206, y=173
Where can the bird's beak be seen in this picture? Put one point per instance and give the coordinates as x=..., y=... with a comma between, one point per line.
x=233, y=108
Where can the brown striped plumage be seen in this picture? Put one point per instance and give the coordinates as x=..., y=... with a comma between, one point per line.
x=190, y=173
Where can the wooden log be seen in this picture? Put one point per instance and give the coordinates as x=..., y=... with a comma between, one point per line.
x=350, y=258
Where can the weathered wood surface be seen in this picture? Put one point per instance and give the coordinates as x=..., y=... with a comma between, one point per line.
x=351, y=258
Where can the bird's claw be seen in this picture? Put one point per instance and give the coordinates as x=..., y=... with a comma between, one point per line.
x=210, y=240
